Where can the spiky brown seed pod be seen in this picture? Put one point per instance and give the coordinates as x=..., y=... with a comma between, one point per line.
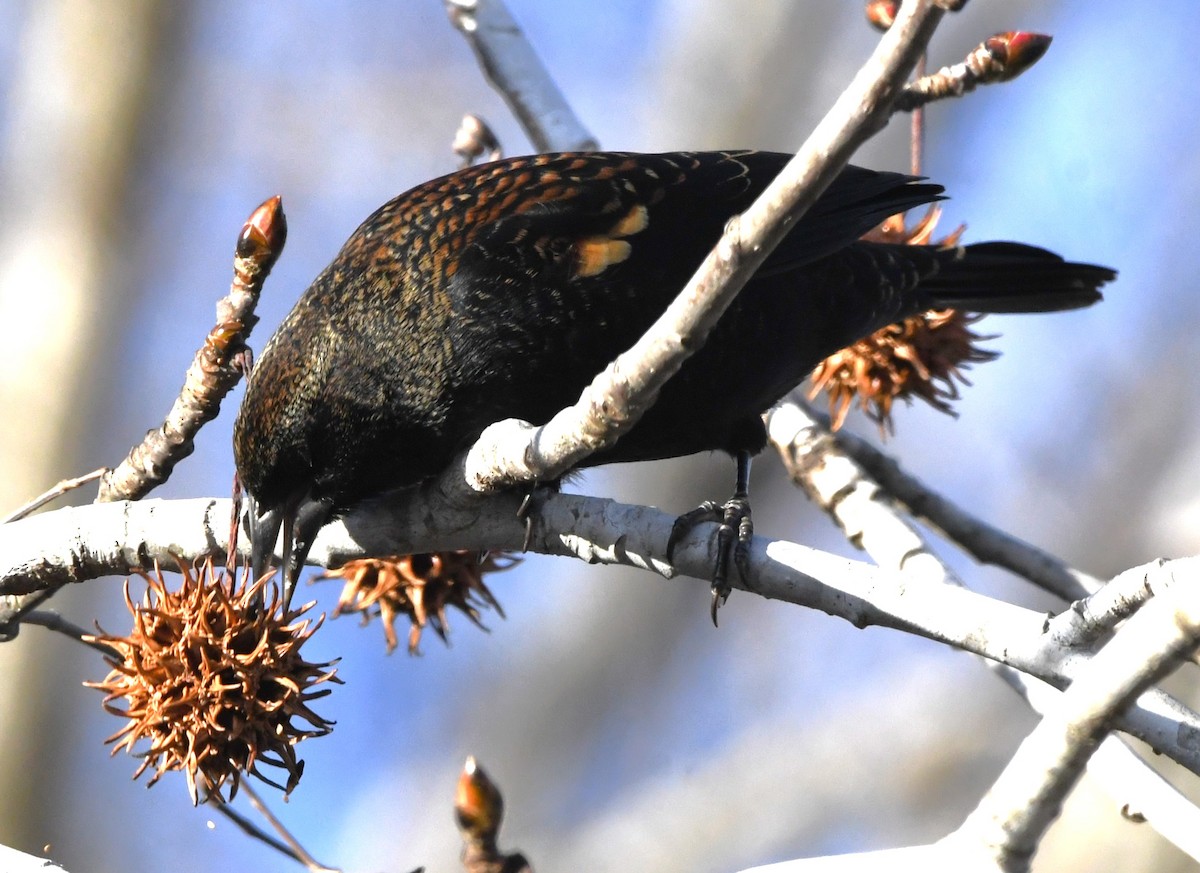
x=895, y=229
x=421, y=587
x=921, y=357
x=211, y=676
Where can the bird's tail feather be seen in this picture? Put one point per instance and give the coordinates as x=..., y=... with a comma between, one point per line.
x=1011, y=277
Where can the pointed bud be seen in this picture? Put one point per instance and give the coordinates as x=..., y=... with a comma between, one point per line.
x=478, y=805
x=881, y=13
x=264, y=234
x=1016, y=51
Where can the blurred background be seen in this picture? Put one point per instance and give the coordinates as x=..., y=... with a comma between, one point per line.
x=625, y=732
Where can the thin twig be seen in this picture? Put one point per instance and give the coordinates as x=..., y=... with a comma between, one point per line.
x=213, y=371
x=982, y=541
x=20, y=606
x=249, y=828
x=999, y=58
x=513, y=452
x=916, y=132
x=57, y=491
x=12, y=616
x=300, y=853
x=55, y=622
x=514, y=69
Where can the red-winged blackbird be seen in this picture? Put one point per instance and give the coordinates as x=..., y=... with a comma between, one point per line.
x=501, y=290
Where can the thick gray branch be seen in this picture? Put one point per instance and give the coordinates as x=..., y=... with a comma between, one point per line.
x=80, y=543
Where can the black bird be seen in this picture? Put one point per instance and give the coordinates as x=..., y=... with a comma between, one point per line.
x=501, y=290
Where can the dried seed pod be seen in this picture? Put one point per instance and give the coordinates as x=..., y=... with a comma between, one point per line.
x=211, y=676
x=922, y=356
x=421, y=587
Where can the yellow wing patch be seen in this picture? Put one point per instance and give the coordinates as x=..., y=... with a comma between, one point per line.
x=595, y=254
x=635, y=221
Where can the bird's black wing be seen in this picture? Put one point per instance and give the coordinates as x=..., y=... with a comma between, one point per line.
x=854, y=203
x=615, y=224
x=573, y=256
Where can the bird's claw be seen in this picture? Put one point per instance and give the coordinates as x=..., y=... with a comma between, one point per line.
x=525, y=512
x=734, y=532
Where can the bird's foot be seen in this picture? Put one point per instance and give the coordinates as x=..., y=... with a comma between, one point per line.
x=734, y=533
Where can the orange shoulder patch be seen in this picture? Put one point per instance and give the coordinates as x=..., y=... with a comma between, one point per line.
x=595, y=254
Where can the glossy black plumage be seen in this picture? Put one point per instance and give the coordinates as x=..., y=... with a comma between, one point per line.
x=501, y=290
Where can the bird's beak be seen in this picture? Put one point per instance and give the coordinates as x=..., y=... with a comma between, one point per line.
x=299, y=520
x=300, y=530
x=263, y=528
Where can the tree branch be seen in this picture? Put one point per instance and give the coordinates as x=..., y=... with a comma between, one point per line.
x=999, y=58
x=1096, y=616
x=984, y=542
x=816, y=463
x=12, y=861
x=1140, y=792
x=514, y=69
x=1028, y=796
x=213, y=372
x=79, y=543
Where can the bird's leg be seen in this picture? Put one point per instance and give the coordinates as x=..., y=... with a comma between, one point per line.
x=735, y=531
